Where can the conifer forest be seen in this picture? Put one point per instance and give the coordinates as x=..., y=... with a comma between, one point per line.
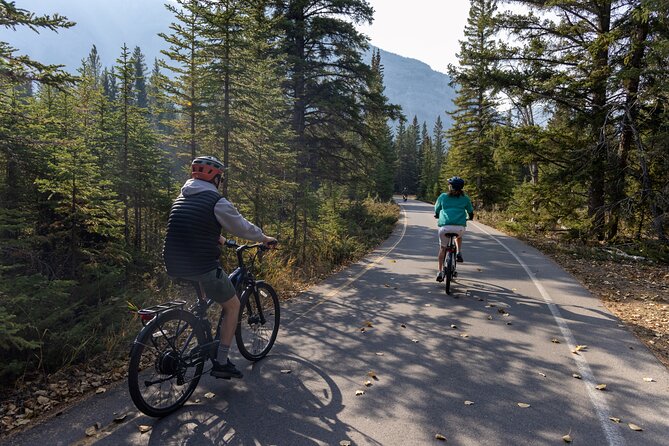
x=561, y=125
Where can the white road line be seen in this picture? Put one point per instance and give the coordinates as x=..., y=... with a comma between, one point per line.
x=369, y=266
x=612, y=434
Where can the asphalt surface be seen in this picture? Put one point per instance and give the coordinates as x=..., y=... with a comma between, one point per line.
x=506, y=336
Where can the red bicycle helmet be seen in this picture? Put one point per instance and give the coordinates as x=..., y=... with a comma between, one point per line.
x=206, y=168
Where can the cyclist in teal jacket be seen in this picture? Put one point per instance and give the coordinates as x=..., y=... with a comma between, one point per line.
x=453, y=209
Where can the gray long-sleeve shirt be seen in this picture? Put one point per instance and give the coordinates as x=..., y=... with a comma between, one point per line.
x=227, y=215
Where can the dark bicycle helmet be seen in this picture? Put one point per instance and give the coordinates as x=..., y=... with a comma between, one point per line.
x=206, y=168
x=456, y=183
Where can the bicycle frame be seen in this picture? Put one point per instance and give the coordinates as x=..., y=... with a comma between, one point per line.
x=242, y=279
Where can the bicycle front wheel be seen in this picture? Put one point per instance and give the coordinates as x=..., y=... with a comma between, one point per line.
x=449, y=272
x=258, y=323
x=166, y=362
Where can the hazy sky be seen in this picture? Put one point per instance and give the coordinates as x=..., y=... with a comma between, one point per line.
x=427, y=30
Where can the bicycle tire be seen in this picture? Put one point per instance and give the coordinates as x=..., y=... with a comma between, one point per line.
x=449, y=272
x=165, y=363
x=254, y=337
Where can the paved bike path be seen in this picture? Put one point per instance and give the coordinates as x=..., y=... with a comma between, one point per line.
x=510, y=303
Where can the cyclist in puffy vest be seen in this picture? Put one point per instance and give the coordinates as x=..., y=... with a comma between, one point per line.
x=193, y=246
x=453, y=209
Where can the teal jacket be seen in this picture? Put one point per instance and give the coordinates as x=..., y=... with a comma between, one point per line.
x=453, y=210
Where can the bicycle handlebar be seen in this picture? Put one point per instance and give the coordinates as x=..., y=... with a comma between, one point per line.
x=262, y=246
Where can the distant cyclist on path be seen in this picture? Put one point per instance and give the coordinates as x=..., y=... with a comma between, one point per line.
x=192, y=247
x=453, y=209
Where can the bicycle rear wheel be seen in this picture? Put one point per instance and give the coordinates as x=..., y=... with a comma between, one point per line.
x=258, y=323
x=166, y=362
x=449, y=271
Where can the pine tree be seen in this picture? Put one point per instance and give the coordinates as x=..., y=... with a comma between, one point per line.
x=187, y=61
x=139, y=88
x=379, y=141
x=326, y=77
x=471, y=153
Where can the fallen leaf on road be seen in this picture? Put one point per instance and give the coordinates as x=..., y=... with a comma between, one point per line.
x=368, y=323
x=120, y=418
x=576, y=375
x=440, y=437
x=634, y=427
x=555, y=341
x=344, y=443
x=509, y=323
x=600, y=387
x=615, y=419
x=479, y=269
x=143, y=428
x=468, y=403
x=379, y=353
x=502, y=311
x=649, y=380
x=372, y=374
x=428, y=305
x=580, y=348
x=368, y=383
x=542, y=374
x=523, y=405
x=100, y=390
x=414, y=341
x=359, y=392
x=362, y=329
x=197, y=400
x=567, y=438
x=386, y=285
x=90, y=431
x=489, y=317
x=209, y=395
x=284, y=371
x=464, y=335
x=403, y=326
x=454, y=326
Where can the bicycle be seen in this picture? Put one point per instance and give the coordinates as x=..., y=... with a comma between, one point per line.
x=450, y=262
x=168, y=355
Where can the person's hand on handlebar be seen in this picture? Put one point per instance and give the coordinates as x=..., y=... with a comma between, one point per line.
x=270, y=241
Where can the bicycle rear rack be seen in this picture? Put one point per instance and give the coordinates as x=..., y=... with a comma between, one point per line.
x=146, y=314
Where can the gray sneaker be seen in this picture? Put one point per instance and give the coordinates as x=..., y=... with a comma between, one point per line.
x=226, y=371
x=440, y=276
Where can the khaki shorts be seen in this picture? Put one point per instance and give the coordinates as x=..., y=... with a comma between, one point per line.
x=216, y=285
x=449, y=229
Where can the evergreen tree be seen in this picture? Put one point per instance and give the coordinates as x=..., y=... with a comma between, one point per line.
x=379, y=141
x=187, y=61
x=327, y=76
x=141, y=100
x=471, y=153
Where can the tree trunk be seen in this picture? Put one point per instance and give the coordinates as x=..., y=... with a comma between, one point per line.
x=596, y=202
x=629, y=119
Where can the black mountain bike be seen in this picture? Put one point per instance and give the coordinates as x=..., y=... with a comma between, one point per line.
x=450, y=262
x=169, y=354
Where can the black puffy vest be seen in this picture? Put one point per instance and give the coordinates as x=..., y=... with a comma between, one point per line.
x=191, y=244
